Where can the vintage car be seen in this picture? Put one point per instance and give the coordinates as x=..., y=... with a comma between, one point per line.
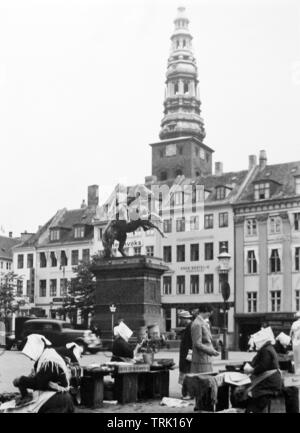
x=59, y=333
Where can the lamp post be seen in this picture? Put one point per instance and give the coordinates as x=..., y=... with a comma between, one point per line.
x=224, y=259
x=113, y=309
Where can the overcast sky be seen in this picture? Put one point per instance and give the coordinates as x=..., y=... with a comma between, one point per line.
x=82, y=86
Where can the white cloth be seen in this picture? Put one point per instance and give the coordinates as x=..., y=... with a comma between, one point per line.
x=38, y=400
x=123, y=331
x=262, y=336
x=35, y=346
x=283, y=339
x=295, y=330
x=77, y=350
x=51, y=357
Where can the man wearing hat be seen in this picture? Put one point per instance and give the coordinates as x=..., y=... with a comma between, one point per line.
x=185, y=351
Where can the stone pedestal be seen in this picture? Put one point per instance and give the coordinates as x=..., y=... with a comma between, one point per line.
x=133, y=285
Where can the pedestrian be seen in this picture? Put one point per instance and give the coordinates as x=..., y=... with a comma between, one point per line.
x=203, y=349
x=295, y=328
x=49, y=377
x=186, y=345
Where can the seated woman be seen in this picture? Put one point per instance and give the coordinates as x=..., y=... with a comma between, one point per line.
x=265, y=375
x=122, y=351
x=49, y=379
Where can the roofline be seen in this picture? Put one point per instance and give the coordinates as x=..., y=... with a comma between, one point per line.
x=178, y=139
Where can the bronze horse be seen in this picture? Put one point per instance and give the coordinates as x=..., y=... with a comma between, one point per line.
x=118, y=229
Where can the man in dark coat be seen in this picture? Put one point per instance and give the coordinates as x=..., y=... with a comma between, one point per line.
x=185, y=350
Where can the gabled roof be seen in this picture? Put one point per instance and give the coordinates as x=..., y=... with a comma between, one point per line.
x=282, y=176
x=6, y=245
x=66, y=220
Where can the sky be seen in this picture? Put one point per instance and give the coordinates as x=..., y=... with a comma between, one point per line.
x=82, y=88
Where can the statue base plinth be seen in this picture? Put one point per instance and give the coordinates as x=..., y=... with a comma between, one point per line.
x=132, y=284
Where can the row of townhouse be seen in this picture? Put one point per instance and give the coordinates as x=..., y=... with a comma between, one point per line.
x=256, y=220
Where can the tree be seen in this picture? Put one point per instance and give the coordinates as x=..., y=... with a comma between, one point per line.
x=9, y=301
x=81, y=293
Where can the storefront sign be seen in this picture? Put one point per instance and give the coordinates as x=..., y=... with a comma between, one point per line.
x=57, y=299
x=196, y=268
x=133, y=243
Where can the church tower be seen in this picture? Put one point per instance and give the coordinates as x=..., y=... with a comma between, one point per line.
x=181, y=150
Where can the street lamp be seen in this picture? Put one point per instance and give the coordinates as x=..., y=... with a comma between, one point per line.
x=113, y=309
x=224, y=259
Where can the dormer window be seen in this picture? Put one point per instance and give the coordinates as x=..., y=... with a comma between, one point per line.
x=79, y=232
x=221, y=192
x=54, y=235
x=262, y=191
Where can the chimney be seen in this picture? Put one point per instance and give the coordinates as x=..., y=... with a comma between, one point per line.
x=252, y=161
x=93, y=195
x=218, y=168
x=10, y=234
x=262, y=159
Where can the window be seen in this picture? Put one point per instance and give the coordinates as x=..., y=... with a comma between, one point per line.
x=1, y=265
x=63, y=286
x=176, y=86
x=297, y=259
x=180, y=284
x=43, y=288
x=297, y=185
x=194, y=252
x=194, y=222
x=53, y=259
x=223, y=219
x=180, y=253
x=63, y=259
x=74, y=257
x=209, y=251
x=297, y=221
x=275, y=225
x=167, y=285
x=150, y=251
x=178, y=197
x=54, y=235
x=194, y=289
x=251, y=227
x=86, y=255
x=137, y=251
x=28, y=291
x=19, y=287
x=43, y=260
x=180, y=224
x=163, y=175
x=297, y=295
x=221, y=193
x=100, y=233
x=261, y=191
x=167, y=254
x=167, y=226
x=275, y=300
x=20, y=261
x=251, y=262
x=252, y=302
x=275, y=261
x=79, y=232
x=53, y=287
x=209, y=221
x=223, y=247
x=209, y=283
x=29, y=261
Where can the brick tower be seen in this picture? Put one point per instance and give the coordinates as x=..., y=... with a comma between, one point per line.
x=181, y=149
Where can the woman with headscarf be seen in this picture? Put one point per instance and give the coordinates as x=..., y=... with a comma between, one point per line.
x=121, y=349
x=49, y=379
x=264, y=374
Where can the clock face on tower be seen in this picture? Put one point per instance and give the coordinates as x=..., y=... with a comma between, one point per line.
x=170, y=149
